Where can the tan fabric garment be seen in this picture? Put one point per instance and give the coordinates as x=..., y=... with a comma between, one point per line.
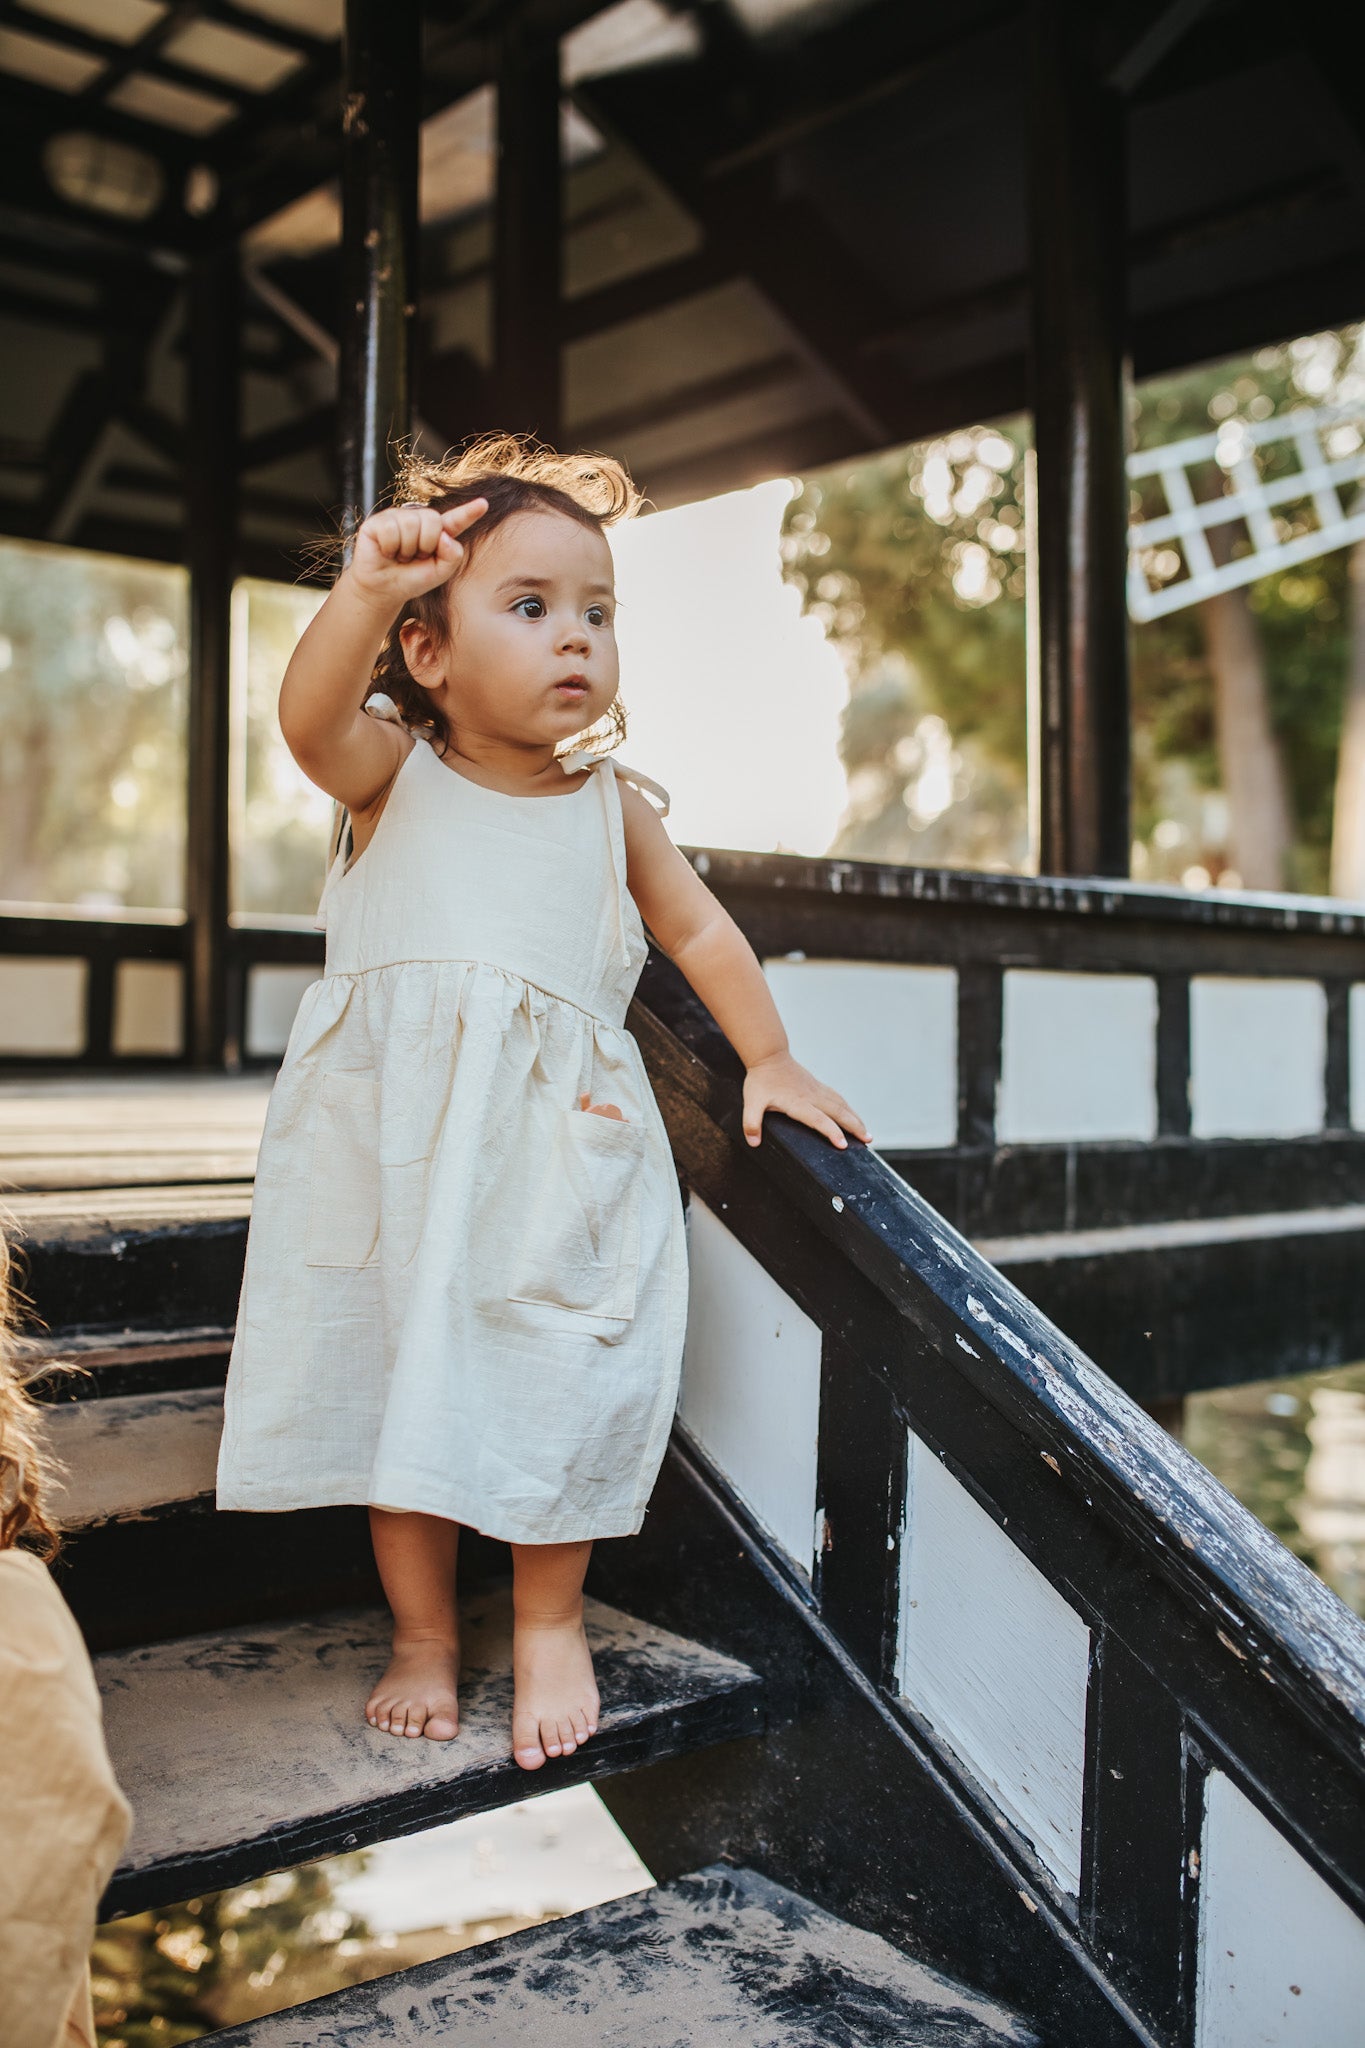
x=63, y=1819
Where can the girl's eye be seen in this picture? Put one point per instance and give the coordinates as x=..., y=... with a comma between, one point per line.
x=597, y=615
x=537, y=602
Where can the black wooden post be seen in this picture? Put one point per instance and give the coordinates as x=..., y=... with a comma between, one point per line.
x=381, y=95
x=527, y=258
x=1078, y=236
x=210, y=547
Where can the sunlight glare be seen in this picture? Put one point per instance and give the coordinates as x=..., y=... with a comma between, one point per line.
x=733, y=696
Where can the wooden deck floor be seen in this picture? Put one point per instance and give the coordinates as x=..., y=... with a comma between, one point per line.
x=126, y=1131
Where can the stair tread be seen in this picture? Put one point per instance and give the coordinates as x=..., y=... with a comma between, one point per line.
x=94, y=1212
x=247, y=1750
x=721, y=1959
x=87, y=1130
x=134, y=1454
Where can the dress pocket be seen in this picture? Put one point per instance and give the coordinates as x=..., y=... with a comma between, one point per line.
x=343, y=1194
x=580, y=1248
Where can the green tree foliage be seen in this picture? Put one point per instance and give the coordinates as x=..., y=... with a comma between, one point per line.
x=279, y=819
x=1302, y=613
x=92, y=702
x=914, y=563
x=173, y=1976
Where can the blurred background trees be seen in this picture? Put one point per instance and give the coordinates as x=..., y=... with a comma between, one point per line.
x=1248, y=709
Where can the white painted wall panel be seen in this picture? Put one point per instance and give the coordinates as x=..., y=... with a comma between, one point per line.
x=42, y=1005
x=273, y=994
x=1281, y=1957
x=1079, y=1058
x=995, y=1660
x=1258, y=1051
x=1358, y=1056
x=751, y=1382
x=883, y=1034
x=148, y=1007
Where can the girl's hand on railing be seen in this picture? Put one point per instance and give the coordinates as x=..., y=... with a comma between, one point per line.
x=408, y=549
x=781, y=1082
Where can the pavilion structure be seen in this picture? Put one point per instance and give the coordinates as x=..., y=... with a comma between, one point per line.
x=248, y=245
x=946, y=1693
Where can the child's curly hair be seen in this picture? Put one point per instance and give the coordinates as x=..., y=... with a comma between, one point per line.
x=516, y=473
x=26, y=1469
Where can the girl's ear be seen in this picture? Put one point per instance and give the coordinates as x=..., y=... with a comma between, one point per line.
x=420, y=652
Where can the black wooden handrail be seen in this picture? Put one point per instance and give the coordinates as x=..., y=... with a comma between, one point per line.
x=1243, y=1659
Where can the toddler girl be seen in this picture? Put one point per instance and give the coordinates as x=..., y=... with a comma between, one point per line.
x=466, y=1284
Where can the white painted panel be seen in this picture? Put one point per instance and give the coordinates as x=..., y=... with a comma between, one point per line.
x=42, y=1005
x=1281, y=1957
x=1258, y=1051
x=272, y=996
x=148, y=1007
x=1079, y=1058
x=1358, y=1056
x=995, y=1660
x=883, y=1034
x=751, y=1382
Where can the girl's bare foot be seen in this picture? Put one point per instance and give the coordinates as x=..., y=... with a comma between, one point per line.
x=416, y=1695
x=555, y=1704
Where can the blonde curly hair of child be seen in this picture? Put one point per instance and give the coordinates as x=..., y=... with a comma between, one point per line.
x=27, y=1470
x=515, y=473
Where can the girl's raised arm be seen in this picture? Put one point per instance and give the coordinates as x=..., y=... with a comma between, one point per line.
x=398, y=555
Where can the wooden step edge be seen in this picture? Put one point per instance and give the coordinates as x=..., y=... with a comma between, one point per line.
x=194, y=1724
x=108, y=1216
x=129, y=1362
x=721, y=1957
x=721, y=1717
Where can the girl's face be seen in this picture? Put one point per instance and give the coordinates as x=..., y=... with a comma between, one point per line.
x=532, y=648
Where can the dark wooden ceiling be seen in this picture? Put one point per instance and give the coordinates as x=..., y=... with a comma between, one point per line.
x=794, y=232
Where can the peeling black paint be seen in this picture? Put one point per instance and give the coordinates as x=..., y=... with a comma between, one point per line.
x=723, y=1958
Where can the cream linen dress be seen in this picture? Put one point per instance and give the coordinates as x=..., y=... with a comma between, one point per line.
x=463, y=1293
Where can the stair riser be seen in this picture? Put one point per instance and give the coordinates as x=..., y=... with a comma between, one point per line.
x=113, y=1372
x=161, y=1279
x=178, y=1570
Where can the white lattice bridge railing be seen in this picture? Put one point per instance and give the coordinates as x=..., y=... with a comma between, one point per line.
x=1322, y=474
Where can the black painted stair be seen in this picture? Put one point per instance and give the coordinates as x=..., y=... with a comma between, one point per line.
x=129, y=1361
x=122, y=1260
x=720, y=1959
x=247, y=1750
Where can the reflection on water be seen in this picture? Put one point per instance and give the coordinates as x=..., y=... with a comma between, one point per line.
x=163, y=1979
x=1294, y=1452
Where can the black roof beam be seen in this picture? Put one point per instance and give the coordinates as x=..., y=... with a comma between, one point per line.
x=78, y=444
x=144, y=50
x=821, y=298
x=296, y=130
x=1204, y=229
x=111, y=54
x=833, y=75
x=1146, y=42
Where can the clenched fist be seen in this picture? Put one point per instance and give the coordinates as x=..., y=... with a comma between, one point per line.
x=408, y=549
